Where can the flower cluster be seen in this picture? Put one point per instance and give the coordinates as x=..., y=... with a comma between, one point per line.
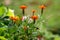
x=25, y=27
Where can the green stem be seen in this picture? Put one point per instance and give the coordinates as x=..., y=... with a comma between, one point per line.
x=41, y=11
x=23, y=12
x=34, y=21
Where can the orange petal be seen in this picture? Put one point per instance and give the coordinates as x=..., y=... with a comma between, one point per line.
x=42, y=6
x=34, y=17
x=23, y=7
x=33, y=11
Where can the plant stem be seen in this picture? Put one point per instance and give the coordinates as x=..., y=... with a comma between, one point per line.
x=41, y=11
x=33, y=14
x=34, y=21
x=23, y=12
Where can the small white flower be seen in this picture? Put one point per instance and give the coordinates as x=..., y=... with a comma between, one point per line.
x=30, y=20
x=24, y=18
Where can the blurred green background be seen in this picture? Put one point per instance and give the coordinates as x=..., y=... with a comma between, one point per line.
x=51, y=12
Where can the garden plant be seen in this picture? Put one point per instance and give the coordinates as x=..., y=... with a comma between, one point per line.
x=24, y=27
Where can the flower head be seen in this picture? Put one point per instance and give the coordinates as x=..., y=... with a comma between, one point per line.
x=33, y=11
x=42, y=7
x=23, y=7
x=34, y=17
x=14, y=18
x=23, y=18
x=11, y=17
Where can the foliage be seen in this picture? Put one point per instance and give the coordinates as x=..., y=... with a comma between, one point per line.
x=24, y=27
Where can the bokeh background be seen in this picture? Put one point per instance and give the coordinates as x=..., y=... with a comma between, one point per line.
x=51, y=12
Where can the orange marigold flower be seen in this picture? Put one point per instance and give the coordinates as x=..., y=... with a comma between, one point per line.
x=14, y=18
x=11, y=17
x=33, y=11
x=42, y=6
x=17, y=17
x=34, y=17
x=23, y=7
